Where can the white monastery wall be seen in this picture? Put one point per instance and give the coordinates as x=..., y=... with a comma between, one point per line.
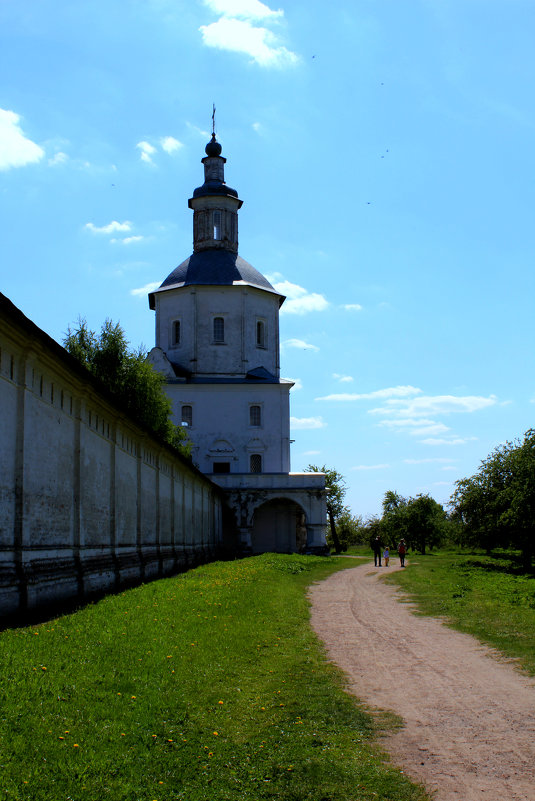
x=89, y=502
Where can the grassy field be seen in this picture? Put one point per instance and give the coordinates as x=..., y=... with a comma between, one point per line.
x=203, y=687
x=487, y=596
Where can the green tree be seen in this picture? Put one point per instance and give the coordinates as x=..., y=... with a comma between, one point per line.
x=349, y=529
x=420, y=521
x=128, y=376
x=496, y=506
x=335, y=486
x=425, y=520
x=393, y=524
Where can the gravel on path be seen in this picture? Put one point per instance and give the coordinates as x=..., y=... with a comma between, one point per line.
x=469, y=715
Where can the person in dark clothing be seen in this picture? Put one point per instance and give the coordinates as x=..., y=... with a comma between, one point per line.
x=376, y=547
x=402, y=550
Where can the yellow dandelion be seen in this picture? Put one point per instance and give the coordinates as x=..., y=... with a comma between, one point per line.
x=215, y=733
x=76, y=745
x=43, y=667
x=133, y=697
x=62, y=738
x=220, y=702
x=123, y=734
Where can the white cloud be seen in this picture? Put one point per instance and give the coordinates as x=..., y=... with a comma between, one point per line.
x=432, y=405
x=257, y=127
x=247, y=9
x=110, y=228
x=452, y=441
x=59, y=158
x=298, y=299
x=240, y=36
x=16, y=150
x=144, y=290
x=170, y=144
x=147, y=150
x=298, y=343
x=352, y=307
x=371, y=467
x=344, y=379
x=307, y=422
x=128, y=240
x=389, y=392
x=311, y=453
x=298, y=384
x=416, y=426
x=428, y=460
x=200, y=131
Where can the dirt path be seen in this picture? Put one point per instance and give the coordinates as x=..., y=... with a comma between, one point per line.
x=469, y=731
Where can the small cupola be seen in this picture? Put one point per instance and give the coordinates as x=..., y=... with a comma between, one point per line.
x=215, y=205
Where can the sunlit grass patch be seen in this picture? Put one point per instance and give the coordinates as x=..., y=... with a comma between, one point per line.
x=209, y=685
x=486, y=596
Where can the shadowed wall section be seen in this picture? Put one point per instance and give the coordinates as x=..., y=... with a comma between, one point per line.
x=89, y=501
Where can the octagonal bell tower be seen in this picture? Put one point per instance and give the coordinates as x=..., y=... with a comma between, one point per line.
x=217, y=343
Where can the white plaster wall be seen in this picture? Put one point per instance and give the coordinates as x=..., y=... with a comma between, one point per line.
x=85, y=495
x=8, y=440
x=240, y=307
x=221, y=415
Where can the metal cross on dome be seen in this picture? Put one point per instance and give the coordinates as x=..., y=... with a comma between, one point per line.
x=213, y=119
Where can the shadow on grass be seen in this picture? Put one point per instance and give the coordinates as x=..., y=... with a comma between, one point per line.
x=503, y=562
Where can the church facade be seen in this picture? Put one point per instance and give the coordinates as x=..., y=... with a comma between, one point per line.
x=217, y=344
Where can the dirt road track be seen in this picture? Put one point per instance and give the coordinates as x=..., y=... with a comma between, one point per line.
x=469, y=732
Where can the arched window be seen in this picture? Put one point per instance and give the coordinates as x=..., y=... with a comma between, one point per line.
x=219, y=329
x=255, y=462
x=187, y=415
x=255, y=416
x=260, y=334
x=217, y=224
x=175, y=336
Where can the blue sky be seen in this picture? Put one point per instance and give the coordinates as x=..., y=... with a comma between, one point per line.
x=385, y=154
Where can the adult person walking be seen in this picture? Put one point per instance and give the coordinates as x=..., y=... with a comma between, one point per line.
x=376, y=548
x=402, y=550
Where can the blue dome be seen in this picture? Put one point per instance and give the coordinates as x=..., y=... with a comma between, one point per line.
x=215, y=267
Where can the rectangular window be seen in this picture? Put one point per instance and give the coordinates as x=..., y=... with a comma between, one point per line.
x=255, y=416
x=187, y=415
x=217, y=225
x=175, y=336
x=219, y=329
x=221, y=467
x=260, y=334
x=256, y=463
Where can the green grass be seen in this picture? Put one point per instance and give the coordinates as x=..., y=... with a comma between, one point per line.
x=206, y=686
x=489, y=597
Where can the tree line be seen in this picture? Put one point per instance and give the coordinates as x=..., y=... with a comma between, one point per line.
x=494, y=508
x=129, y=378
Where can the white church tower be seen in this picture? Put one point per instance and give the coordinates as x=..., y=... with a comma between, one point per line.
x=217, y=343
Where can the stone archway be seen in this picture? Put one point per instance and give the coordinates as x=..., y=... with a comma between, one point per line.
x=279, y=526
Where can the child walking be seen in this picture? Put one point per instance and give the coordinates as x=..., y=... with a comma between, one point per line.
x=386, y=556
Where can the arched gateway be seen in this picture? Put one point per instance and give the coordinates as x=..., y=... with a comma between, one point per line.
x=279, y=526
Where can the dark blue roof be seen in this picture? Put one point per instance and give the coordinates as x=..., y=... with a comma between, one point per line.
x=214, y=188
x=214, y=267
